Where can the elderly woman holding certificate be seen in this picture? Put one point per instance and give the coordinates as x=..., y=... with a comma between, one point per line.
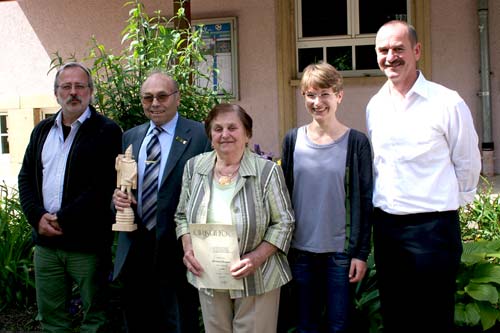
x=234, y=187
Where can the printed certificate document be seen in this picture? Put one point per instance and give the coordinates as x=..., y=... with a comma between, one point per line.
x=216, y=248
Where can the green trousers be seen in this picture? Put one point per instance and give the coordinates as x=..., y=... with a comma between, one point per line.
x=56, y=271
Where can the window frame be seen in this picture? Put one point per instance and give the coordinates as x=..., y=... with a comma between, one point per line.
x=4, y=134
x=352, y=39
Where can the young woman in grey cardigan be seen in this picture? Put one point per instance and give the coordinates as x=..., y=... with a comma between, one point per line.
x=328, y=171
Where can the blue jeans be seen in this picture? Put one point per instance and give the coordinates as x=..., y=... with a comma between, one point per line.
x=321, y=286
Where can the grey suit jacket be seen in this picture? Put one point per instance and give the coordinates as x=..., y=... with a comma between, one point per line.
x=189, y=140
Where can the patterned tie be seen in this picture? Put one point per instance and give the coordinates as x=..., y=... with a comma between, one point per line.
x=150, y=180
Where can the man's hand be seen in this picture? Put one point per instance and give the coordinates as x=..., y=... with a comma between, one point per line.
x=121, y=200
x=48, y=225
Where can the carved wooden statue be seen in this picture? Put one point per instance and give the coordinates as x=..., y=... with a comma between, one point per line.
x=126, y=181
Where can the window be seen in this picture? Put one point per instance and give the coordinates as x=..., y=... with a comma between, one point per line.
x=342, y=32
x=4, y=139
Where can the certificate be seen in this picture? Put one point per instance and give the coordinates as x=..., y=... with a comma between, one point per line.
x=216, y=248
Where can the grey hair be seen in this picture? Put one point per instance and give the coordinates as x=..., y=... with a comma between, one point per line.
x=72, y=65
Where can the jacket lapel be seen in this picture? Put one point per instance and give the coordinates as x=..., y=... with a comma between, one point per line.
x=180, y=142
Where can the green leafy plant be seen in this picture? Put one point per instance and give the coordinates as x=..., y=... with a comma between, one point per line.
x=480, y=220
x=16, y=253
x=477, y=301
x=150, y=43
x=478, y=284
x=367, y=302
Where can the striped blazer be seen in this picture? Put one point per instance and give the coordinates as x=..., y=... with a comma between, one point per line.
x=260, y=209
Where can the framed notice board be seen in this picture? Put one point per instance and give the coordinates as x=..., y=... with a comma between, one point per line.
x=221, y=57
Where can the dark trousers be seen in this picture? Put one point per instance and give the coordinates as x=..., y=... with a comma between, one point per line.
x=417, y=258
x=154, y=301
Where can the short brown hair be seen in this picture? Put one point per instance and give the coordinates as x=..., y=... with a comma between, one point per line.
x=245, y=118
x=321, y=75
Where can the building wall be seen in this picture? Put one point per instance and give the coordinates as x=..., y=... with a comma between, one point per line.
x=456, y=57
x=33, y=30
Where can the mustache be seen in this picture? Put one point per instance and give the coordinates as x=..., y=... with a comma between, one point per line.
x=394, y=63
x=73, y=99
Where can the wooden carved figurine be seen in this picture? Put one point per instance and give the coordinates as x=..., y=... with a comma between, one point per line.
x=126, y=181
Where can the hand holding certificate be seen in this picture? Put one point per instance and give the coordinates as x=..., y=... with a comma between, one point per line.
x=215, y=247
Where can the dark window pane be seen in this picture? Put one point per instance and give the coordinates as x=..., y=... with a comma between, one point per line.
x=366, y=57
x=324, y=18
x=309, y=56
x=5, y=145
x=340, y=57
x=3, y=124
x=373, y=14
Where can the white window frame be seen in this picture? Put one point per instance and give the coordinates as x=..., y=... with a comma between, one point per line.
x=352, y=39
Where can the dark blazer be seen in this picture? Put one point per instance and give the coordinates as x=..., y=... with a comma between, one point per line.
x=189, y=140
x=89, y=181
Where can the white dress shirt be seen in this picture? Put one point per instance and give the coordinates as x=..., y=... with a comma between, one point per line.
x=166, y=138
x=426, y=155
x=54, y=159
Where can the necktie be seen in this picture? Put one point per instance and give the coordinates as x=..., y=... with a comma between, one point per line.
x=150, y=180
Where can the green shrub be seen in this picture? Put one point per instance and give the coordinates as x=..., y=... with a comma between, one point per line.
x=16, y=253
x=480, y=220
x=149, y=43
x=478, y=283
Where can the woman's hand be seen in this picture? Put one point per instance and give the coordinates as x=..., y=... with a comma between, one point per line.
x=357, y=270
x=189, y=260
x=249, y=263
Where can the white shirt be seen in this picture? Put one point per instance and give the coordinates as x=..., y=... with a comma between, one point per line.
x=54, y=159
x=426, y=155
x=166, y=137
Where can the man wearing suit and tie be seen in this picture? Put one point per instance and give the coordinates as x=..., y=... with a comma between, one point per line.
x=156, y=295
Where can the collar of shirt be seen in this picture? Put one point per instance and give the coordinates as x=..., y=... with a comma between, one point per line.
x=169, y=127
x=80, y=120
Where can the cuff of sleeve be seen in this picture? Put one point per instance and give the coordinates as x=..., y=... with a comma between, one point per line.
x=181, y=230
x=466, y=197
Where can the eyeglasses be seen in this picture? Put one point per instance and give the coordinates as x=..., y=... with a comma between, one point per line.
x=162, y=97
x=312, y=96
x=68, y=86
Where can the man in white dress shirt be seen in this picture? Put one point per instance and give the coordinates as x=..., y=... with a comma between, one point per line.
x=427, y=164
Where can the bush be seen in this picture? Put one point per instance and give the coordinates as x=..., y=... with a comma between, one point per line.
x=17, y=287
x=480, y=220
x=478, y=284
x=478, y=288
x=149, y=43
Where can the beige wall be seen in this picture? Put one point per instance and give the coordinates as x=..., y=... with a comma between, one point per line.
x=32, y=30
x=456, y=57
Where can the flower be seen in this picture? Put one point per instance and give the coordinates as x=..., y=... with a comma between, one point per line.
x=261, y=153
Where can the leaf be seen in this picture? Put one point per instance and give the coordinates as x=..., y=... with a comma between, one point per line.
x=485, y=273
x=467, y=314
x=482, y=292
x=488, y=315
